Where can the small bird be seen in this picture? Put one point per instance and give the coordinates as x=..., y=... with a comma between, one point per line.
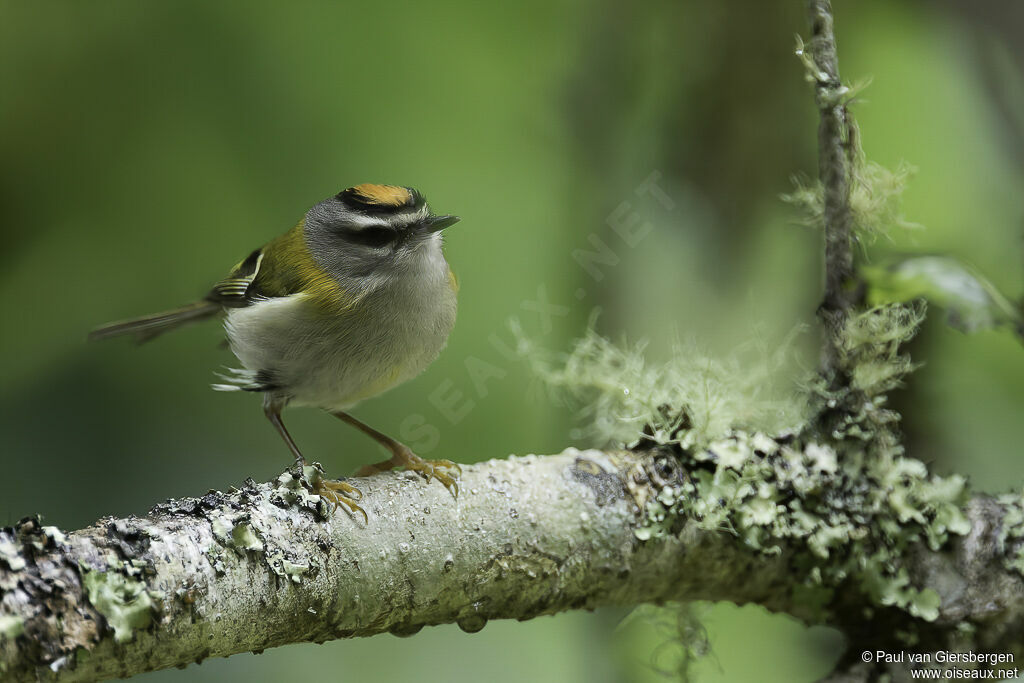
x=354, y=300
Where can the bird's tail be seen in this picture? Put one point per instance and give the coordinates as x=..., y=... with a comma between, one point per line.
x=151, y=326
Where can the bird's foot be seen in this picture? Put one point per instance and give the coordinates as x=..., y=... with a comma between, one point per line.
x=445, y=471
x=340, y=493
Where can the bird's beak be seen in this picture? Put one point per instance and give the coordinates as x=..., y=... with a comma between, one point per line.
x=438, y=223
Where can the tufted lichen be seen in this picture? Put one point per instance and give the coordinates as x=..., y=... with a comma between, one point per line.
x=875, y=199
x=619, y=394
x=835, y=489
x=846, y=497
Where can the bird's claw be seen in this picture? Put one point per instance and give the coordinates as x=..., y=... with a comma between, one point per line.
x=442, y=470
x=340, y=493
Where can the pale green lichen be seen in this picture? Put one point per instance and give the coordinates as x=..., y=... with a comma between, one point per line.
x=971, y=300
x=828, y=93
x=38, y=537
x=123, y=600
x=244, y=537
x=875, y=200
x=295, y=489
x=828, y=481
x=11, y=626
x=897, y=591
x=215, y=555
x=688, y=400
x=871, y=347
x=805, y=495
x=838, y=489
x=233, y=531
x=284, y=567
x=857, y=495
x=875, y=192
x=1011, y=533
x=237, y=533
x=11, y=556
x=221, y=527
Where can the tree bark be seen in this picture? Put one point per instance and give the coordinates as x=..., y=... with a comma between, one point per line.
x=269, y=565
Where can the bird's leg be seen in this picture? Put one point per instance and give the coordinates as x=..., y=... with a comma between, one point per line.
x=445, y=471
x=336, y=491
x=272, y=409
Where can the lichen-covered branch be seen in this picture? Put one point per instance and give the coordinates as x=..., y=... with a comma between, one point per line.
x=834, y=133
x=269, y=564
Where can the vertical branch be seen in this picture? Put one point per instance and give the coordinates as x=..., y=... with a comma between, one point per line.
x=834, y=173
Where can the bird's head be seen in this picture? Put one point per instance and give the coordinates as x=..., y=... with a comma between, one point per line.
x=374, y=230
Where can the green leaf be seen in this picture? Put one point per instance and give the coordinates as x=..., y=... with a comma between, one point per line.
x=971, y=302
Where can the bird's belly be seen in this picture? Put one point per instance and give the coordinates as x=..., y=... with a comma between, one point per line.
x=336, y=362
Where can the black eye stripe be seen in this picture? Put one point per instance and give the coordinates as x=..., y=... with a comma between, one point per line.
x=373, y=236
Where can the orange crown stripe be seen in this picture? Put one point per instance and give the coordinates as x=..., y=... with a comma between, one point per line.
x=388, y=195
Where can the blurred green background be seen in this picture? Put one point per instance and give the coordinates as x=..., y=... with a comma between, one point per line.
x=147, y=147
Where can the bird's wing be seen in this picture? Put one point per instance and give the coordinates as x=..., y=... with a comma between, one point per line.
x=250, y=281
x=255, y=279
x=236, y=290
x=280, y=268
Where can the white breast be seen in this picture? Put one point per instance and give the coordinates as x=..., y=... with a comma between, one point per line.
x=333, y=362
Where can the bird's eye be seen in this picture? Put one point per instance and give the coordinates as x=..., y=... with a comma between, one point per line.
x=374, y=236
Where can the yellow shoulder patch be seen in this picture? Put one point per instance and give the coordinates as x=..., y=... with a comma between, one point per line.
x=387, y=195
